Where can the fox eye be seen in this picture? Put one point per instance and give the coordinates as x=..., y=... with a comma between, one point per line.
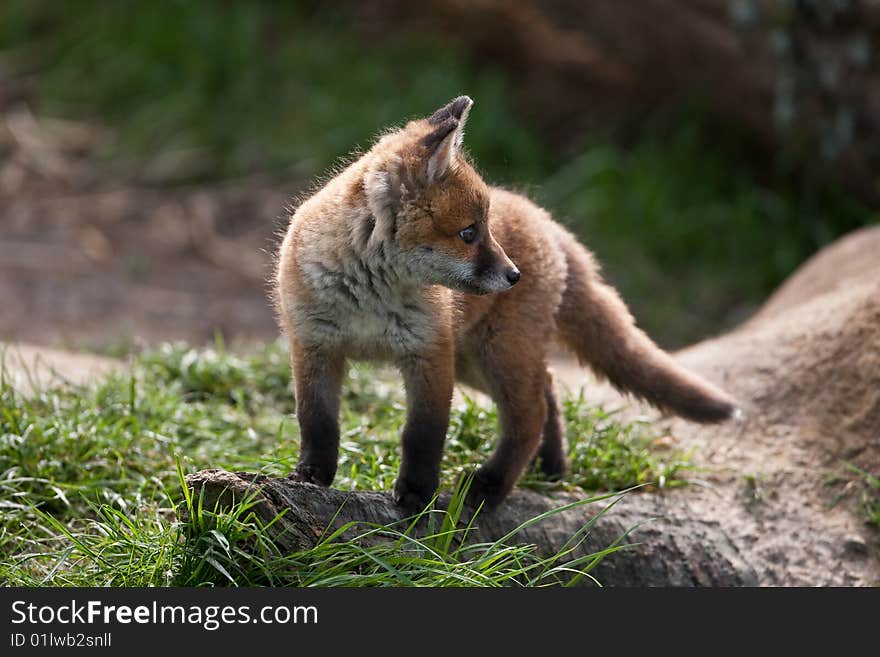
x=468, y=234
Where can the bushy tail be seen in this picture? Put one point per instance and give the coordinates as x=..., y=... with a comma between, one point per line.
x=596, y=324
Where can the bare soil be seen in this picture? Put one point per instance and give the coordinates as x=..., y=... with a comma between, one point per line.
x=87, y=261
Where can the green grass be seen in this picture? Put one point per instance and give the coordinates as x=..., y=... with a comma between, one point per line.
x=869, y=495
x=90, y=477
x=234, y=547
x=850, y=481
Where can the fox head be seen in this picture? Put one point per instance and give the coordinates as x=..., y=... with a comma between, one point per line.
x=427, y=199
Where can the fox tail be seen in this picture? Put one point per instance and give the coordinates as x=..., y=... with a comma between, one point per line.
x=596, y=324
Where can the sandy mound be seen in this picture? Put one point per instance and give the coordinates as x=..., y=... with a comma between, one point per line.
x=807, y=370
x=810, y=359
x=854, y=256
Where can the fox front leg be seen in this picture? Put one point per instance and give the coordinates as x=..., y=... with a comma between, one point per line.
x=429, y=382
x=317, y=381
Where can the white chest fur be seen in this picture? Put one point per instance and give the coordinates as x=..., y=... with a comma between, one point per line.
x=368, y=311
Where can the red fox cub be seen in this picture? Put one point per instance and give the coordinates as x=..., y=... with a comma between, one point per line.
x=408, y=257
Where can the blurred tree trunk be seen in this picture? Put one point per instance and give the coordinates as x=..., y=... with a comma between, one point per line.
x=802, y=74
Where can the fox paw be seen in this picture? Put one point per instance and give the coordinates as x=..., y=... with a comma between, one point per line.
x=312, y=474
x=486, y=489
x=553, y=467
x=410, y=496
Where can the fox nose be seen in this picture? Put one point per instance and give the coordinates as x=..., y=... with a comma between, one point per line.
x=513, y=275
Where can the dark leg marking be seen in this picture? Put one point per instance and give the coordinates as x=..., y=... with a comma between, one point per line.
x=317, y=379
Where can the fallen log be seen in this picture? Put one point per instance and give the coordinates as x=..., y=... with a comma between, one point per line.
x=674, y=547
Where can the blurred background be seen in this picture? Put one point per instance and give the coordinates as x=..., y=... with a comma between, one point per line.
x=702, y=148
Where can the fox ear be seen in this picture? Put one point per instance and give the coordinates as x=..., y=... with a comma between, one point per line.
x=441, y=147
x=445, y=140
x=457, y=109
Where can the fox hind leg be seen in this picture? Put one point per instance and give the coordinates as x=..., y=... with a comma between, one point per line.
x=519, y=393
x=552, y=453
